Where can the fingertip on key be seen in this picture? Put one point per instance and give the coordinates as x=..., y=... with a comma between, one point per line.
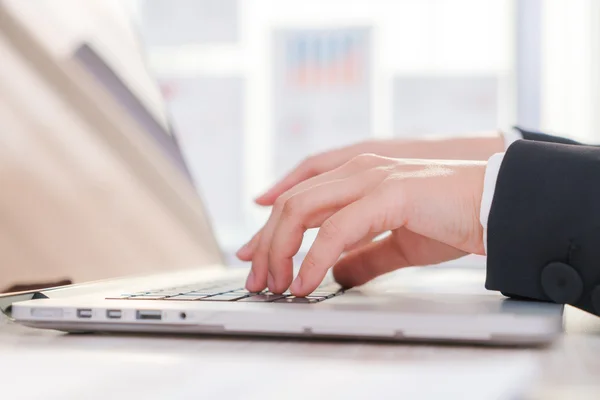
x=250, y=280
x=296, y=287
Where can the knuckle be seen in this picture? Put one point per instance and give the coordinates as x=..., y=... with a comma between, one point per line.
x=390, y=182
x=381, y=173
x=365, y=160
x=292, y=208
x=313, y=163
x=310, y=262
x=393, y=183
x=329, y=230
x=279, y=203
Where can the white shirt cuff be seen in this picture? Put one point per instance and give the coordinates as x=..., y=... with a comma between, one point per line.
x=489, y=181
x=489, y=187
x=510, y=137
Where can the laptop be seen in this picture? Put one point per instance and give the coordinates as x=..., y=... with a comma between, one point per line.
x=446, y=303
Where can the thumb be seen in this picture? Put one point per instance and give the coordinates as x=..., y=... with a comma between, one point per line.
x=386, y=255
x=361, y=265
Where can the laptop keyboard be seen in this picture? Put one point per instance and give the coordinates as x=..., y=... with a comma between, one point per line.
x=231, y=291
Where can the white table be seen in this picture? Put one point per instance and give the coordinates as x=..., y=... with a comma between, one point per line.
x=38, y=364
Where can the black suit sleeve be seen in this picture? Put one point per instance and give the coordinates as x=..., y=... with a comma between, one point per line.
x=543, y=137
x=544, y=224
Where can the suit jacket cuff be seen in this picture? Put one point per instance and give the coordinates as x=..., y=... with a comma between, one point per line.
x=544, y=225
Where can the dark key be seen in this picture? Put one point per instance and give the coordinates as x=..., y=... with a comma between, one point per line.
x=263, y=298
x=183, y=297
x=293, y=299
x=224, y=297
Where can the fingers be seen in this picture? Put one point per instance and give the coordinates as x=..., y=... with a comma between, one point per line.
x=309, y=168
x=362, y=265
x=305, y=170
x=362, y=162
x=339, y=232
x=245, y=252
x=303, y=211
x=259, y=270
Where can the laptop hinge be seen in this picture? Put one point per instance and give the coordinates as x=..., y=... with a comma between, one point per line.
x=8, y=299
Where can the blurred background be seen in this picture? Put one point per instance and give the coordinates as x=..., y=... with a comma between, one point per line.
x=255, y=86
x=252, y=87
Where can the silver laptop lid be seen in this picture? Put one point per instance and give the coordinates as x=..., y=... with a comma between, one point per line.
x=172, y=232
x=93, y=62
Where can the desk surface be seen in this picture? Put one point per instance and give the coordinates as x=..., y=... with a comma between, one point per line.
x=54, y=365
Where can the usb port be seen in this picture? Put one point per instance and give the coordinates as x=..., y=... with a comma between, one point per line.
x=113, y=314
x=149, y=314
x=84, y=313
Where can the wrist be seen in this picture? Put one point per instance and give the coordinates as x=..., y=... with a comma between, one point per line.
x=478, y=146
x=477, y=185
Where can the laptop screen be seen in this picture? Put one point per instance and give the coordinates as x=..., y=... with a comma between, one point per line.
x=88, y=197
x=104, y=74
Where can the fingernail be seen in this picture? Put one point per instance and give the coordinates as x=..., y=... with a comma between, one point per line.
x=296, y=285
x=250, y=279
x=271, y=281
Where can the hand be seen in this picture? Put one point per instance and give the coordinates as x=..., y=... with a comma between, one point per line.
x=478, y=147
x=431, y=209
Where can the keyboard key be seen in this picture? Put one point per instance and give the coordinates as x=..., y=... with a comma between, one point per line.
x=244, y=291
x=262, y=298
x=166, y=293
x=200, y=293
x=146, y=297
x=225, y=297
x=321, y=293
x=230, y=291
x=293, y=299
x=183, y=297
x=228, y=288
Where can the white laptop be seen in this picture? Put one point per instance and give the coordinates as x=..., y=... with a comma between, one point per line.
x=438, y=303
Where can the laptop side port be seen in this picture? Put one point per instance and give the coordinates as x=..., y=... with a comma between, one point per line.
x=84, y=313
x=114, y=314
x=149, y=314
